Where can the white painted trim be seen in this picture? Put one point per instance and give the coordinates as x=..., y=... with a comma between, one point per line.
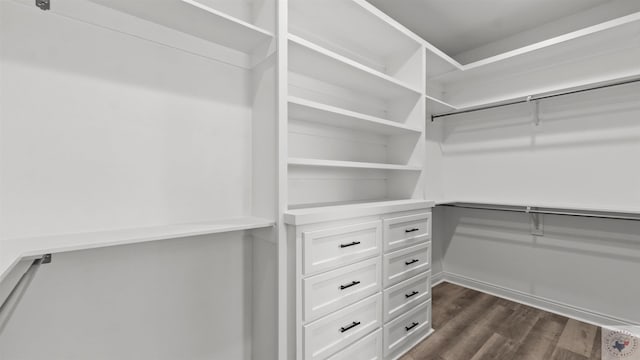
x=437, y=279
x=573, y=312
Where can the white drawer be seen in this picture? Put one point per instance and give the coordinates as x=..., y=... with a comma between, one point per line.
x=332, y=333
x=369, y=348
x=330, y=248
x=402, y=332
x=403, y=231
x=335, y=289
x=406, y=263
x=399, y=298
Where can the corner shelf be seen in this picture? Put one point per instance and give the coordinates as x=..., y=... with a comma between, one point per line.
x=194, y=18
x=13, y=250
x=314, y=61
x=307, y=110
x=558, y=64
x=350, y=164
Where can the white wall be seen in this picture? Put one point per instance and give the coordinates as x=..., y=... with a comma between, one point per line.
x=589, y=264
x=185, y=299
x=584, y=153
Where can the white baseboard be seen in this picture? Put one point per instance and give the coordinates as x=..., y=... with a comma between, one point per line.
x=437, y=278
x=551, y=306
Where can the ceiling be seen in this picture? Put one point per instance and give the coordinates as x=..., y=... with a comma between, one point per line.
x=459, y=26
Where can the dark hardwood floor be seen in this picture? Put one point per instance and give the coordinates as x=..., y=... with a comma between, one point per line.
x=471, y=325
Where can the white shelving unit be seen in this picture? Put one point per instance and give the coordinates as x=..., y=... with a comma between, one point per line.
x=355, y=108
x=355, y=147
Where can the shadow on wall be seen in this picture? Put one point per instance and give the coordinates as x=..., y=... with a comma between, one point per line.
x=598, y=118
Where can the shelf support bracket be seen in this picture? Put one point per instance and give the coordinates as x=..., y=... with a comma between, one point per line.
x=536, y=222
x=43, y=4
x=536, y=110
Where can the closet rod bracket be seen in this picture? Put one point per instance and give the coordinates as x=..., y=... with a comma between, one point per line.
x=43, y=4
x=46, y=259
x=537, y=221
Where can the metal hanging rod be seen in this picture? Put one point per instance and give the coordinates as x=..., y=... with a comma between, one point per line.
x=549, y=211
x=7, y=306
x=533, y=98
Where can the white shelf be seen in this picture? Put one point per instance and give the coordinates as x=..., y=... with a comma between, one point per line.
x=437, y=106
x=194, y=18
x=350, y=164
x=306, y=110
x=377, y=40
x=356, y=209
x=314, y=61
x=13, y=250
x=602, y=53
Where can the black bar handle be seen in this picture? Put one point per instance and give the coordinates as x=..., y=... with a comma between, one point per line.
x=351, y=244
x=353, y=283
x=411, y=327
x=411, y=262
x=349, y=327
x=411, y=230
x=412, y=294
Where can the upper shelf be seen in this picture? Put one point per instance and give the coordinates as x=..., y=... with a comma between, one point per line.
x=351, y=164
x=197, y=19
x=13, y=250
x=354, y=29
x=602, y=53
x=306, y=110
x=316, y=62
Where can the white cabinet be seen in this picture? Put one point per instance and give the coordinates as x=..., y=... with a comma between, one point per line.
x=353, y=300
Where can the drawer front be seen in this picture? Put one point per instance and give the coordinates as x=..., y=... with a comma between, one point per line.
x=400, y=298
x=404, y=231
x=406, y=263
x=406, y=329
x=332, y=333
x=369, y=348
x=330, y=248
x=338, y=288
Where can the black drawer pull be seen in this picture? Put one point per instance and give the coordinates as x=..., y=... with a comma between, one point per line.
x=411, y=262
x=412, y=326
x=412, y=294
x=349, y=327
x=411, y=230
x=353, y=283
x=351, y=244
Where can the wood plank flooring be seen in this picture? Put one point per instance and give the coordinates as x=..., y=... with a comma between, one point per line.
x=470, y=325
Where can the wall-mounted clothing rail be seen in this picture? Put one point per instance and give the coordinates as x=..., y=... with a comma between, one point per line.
x=535, y=98
x=548, y=210
x=8, y=304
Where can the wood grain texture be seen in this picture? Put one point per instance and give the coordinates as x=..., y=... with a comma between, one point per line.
x=470, y=325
